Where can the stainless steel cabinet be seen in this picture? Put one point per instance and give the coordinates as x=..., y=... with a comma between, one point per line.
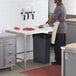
x=68, y=62
x=7, y=51
x=71, y=33
x=1, y=53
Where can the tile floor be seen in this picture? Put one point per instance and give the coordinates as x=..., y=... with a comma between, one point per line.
x=19, y=67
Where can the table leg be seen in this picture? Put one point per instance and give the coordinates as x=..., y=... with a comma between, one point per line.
x=25, y=54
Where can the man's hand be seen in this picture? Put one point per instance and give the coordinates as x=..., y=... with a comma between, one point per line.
x=49, y=21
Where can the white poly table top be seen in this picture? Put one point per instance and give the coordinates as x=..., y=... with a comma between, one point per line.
x=37, y=30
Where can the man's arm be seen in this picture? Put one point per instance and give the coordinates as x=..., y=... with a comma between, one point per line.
x=50, y=21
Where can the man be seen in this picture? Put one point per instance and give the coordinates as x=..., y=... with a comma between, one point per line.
x=59, y=15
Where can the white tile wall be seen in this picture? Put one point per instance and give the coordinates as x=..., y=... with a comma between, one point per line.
x=10, y=12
